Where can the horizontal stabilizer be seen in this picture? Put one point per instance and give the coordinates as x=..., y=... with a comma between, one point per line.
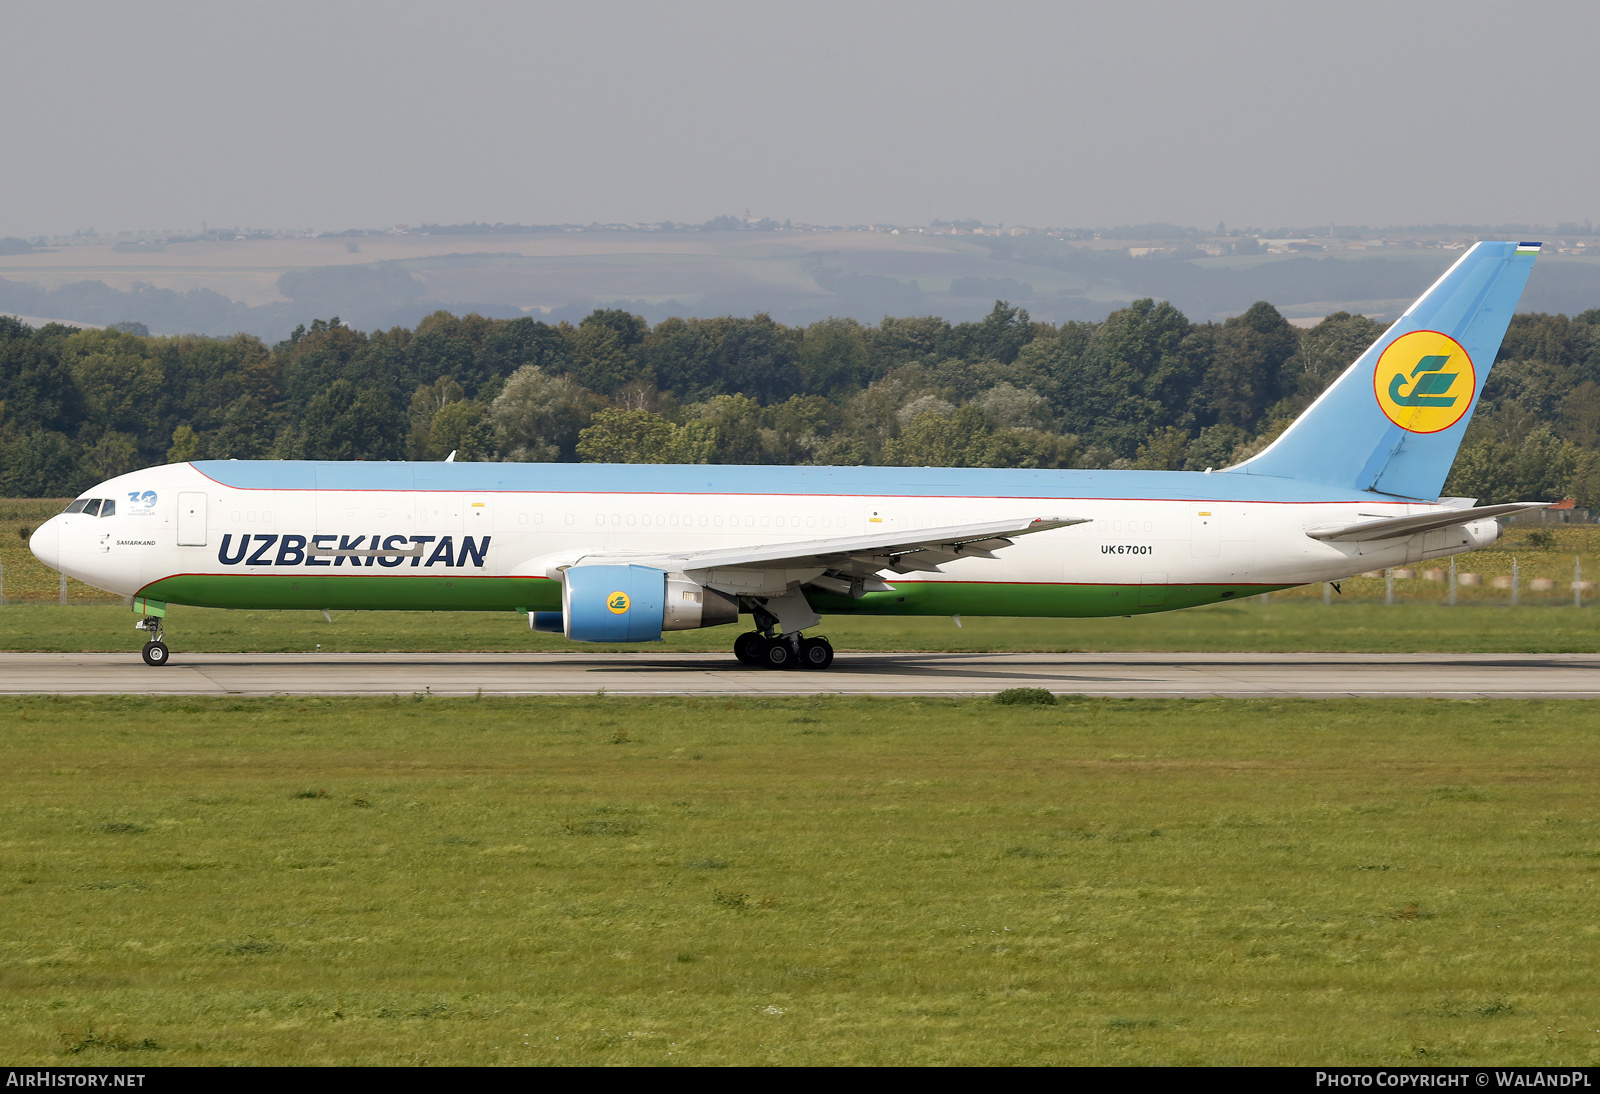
x=1394, y=527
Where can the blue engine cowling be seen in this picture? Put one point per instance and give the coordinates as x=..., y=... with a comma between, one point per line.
x=613, y=603
x=547, y=622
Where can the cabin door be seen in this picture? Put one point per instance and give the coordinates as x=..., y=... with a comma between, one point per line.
x=191, y=519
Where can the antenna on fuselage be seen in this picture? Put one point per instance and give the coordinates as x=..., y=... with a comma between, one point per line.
x=452, y=457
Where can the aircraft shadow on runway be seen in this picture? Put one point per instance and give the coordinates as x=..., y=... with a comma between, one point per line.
x=883, y=667
x=913, y=665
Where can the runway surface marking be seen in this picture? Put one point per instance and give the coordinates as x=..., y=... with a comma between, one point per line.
x=1167, y=675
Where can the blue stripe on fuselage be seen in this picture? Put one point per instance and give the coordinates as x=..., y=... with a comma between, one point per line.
x=602, y=478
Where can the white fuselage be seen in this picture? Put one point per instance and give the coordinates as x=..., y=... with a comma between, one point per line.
x=529, y=533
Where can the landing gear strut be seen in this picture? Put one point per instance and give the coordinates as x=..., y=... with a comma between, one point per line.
x=786, y=651
x=155, y=650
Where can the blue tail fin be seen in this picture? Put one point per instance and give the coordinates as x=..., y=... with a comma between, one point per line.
x=1392, y=423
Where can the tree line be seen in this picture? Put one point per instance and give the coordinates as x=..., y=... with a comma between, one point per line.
x=1144, y=388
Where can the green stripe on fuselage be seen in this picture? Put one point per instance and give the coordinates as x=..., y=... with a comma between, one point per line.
x=386, y=592
x=392, y=592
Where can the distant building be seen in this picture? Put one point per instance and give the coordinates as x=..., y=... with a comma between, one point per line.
x=1565, y=511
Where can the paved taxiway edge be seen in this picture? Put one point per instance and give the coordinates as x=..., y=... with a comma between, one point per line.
x=1146, y=675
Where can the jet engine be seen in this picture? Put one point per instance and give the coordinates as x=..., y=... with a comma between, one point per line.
x=606, y=603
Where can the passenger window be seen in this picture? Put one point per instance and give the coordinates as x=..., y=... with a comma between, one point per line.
x=91, y=507
x=108, y=508
x=77, y=506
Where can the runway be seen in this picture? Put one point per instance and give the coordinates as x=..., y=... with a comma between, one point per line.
x=1150, y=675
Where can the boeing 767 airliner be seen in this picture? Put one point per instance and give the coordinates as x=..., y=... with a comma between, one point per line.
x=621, y=553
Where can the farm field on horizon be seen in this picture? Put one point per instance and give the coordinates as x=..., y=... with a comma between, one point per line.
x=803, y=881
x=797, y=277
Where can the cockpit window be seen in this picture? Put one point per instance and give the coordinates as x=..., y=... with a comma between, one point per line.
x=108, y=508
x=77, y=506
x=91, y=507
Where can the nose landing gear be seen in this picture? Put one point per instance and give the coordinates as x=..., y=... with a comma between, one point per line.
x=786, y=651
x=155, y=650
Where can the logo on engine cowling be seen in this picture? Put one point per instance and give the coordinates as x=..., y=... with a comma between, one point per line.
x=617, y=603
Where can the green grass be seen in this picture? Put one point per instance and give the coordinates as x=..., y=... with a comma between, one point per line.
x=798, y=881
x=1281, y=625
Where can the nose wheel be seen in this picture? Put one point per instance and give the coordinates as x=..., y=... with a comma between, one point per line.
x=788, y=651
x=155, y=650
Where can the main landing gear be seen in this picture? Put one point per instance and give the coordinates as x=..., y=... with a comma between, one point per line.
x=787, y=651
x=155, y=650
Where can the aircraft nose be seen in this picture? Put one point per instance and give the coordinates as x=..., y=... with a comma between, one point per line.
x=46, y=543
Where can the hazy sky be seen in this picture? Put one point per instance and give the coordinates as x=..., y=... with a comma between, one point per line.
x=330, y=115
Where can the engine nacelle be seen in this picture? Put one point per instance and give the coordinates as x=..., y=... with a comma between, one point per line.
x=613, y=603
x=691, y=605
x=601, y=603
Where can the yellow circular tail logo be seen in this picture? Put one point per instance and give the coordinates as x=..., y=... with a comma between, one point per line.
x=1424, y=381
x=617, y=602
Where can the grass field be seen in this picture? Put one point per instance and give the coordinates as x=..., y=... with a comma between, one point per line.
x=1279, y=626
x=807, y=881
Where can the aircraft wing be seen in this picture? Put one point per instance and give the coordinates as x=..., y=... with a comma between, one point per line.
x=842, y=564
x=882, y=550
x=903, y=550
x=1394, y=527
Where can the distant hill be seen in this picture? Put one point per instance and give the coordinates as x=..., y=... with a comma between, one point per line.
x=266, y=287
